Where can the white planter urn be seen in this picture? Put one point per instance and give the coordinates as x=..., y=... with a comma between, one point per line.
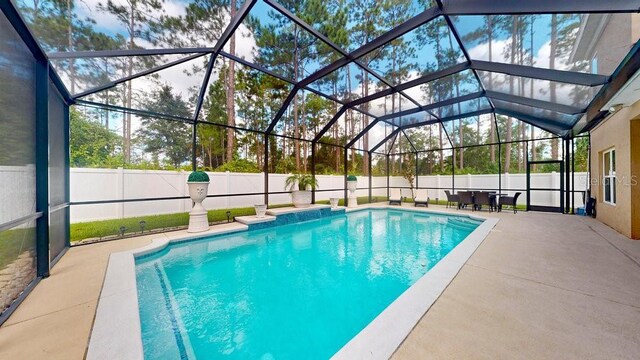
x=334, y=202
x=261, y=210
x=301, y=198
x=353, y=199
x=198, y=220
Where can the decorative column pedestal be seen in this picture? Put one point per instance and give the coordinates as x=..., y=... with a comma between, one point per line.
x=353, y=199
x=198, y=219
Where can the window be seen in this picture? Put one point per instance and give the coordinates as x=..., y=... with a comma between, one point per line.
x=609, y=176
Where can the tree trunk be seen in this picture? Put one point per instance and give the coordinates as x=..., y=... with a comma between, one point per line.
x=514, y=32
x=72, y=64
x=231, y=89
x=441, y=151
x=461, y=133
x=365, y=137
x=305, y=147
x=552, y=65
x=461, y=129
x=126, y=126
x=492, y=135
x=296, y=129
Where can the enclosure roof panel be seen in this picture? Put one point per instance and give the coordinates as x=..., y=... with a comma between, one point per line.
x=544, y=61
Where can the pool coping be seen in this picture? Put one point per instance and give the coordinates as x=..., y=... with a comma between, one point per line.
x=386, y=332
x=117, y=333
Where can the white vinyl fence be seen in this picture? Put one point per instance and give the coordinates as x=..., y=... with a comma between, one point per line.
x=120, y=184
x=17, y=192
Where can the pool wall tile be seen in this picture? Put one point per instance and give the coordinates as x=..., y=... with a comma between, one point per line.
x=296, y=217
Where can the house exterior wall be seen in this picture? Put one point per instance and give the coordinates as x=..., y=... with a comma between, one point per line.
x=614, y=43
x=617, y=132
x=635, y=173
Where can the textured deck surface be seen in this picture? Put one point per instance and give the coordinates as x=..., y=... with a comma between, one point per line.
x=540, y=286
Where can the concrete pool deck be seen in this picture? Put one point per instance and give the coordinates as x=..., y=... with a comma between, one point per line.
x=539, y=286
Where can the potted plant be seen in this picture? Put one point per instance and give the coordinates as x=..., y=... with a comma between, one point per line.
x=352, y=185
x=300, y=186
x=198, y=183
x=261, y=210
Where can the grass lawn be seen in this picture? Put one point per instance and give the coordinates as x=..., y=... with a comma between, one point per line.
x=103, y=228
x=14, y=242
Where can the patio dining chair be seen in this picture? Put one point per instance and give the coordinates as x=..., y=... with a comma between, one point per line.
x=482, y=198
x=421, y=198
x=451, y=198
x=510, y=201
x=465, y=198
x=395, y=197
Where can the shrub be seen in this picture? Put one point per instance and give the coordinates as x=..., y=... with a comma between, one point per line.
x=198, y=176
x=302, y=180
x=352, y=178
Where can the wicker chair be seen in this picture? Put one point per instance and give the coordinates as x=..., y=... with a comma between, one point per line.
x=482, y=198
x=510, y=201
x=465, y=198
x=451, y=198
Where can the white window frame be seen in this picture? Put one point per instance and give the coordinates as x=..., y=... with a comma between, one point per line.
x=611, y=176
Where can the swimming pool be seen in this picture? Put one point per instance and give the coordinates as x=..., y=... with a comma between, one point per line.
x=295, y=291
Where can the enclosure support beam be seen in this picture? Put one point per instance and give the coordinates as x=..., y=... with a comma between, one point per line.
x=499, y=168
x=551, y=126
x=275, y=75
x=435, y=105
x=462, y=47
x=419, y=81
x=625, y=71
x=226, y=35
x=409, y=141
x=370, y=176
x=265, y=169
x=398, y=31
x=566, y=109
x=283, y=108
x=573, y=176
x=194, y=147
x=313, y=171
x=42, y=167
x=495, y=121
x=570, y=77
x=567, y=175
x=114, y=83
x=127, y=52
x=453, y=171
x=528, y=184
x=346, y=168
x=493, y=7
x=67, y=175
x=387, y=155
x=389, y=137
x=330, y=124
x=417, y=170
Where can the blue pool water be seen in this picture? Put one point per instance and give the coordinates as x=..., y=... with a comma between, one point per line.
x=298, y=291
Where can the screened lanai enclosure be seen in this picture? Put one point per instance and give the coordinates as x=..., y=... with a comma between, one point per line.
x=106, y=106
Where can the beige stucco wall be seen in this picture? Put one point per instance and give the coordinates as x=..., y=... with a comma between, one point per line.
x=615, y=132
x=614, y=43
x=635, y=173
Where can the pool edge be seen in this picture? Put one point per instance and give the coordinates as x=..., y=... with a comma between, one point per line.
x=117, y=334
x=116, y=331
x=386, y=332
